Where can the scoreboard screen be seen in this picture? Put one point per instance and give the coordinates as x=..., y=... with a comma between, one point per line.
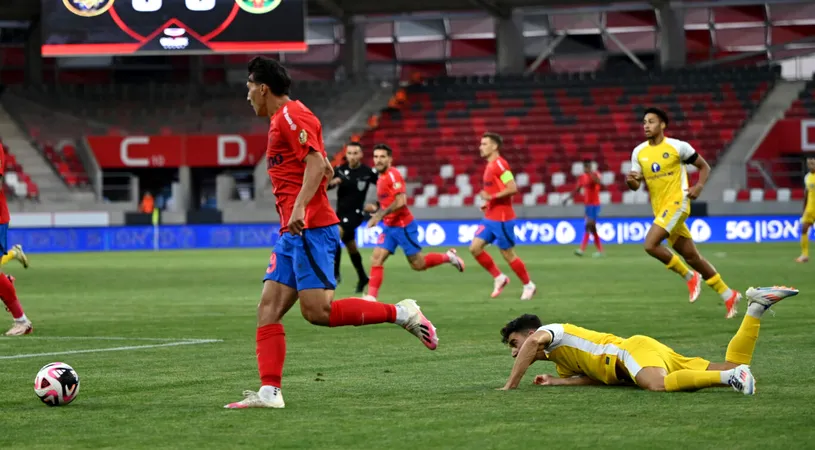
x=144, y=27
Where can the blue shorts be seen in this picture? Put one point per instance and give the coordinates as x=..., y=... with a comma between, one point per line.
x=405, y=237
x=306, y=261
x=4, y=238
x=592, y=212
x=502, y=234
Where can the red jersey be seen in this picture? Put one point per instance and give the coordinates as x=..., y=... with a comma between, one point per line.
x=496, y=177
x=4, y=216
x=293, y=133
x=388, y=186
x=591, y=188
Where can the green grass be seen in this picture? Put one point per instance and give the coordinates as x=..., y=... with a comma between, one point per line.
x=378, y=387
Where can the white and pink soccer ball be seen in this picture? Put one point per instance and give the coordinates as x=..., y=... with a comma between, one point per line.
x=56, y=384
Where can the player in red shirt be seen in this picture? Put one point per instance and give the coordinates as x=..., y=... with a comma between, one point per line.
x=7, y=291
x=589, y=182
x=398, y=227
x=498, y=225
x=302, y=262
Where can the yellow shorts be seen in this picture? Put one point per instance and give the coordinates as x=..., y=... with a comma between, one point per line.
x=639, y=352
x=808, y=217
x=671, y=218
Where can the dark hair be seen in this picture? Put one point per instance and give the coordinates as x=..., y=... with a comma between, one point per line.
x=355, y=144
x=383, y=147
x=271, y=73
x=525, y=322
x=663, y=116
x=587, y=161
x=494, y=137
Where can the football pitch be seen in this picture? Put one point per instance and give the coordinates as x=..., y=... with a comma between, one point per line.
x=161, y=341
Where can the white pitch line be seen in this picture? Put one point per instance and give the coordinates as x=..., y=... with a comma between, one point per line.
x=99, y=338
x=114, y=349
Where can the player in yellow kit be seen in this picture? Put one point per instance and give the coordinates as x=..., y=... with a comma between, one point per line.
x=809, y=210
x=661, y=161
x=585, y=357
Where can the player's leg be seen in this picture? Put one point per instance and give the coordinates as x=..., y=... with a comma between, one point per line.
x=278, y=296
x=656, y=367
x=17, y=253
x=316, y=291
x=482, y=238
x=505, y=241
x=408, y=239
x=356, y=259
x=586, y=232
x=591, y=223
x=663, y=228
x=8, y=294
x=806, y=224
x=385, y=246
x=684, y=245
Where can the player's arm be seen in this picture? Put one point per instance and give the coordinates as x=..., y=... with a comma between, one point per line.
x=689, y=156
x=571, y=194
x=313, y=176
x=634, y=177
x=537, y=342
x=577, y=380
x=336, y=180
x=595, y=177
x=510, y=188
x=398, y=202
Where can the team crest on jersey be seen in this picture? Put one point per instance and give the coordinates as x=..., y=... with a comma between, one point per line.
x=655, y=167
x=88, y=8
x=397, y=185
x=666, y=155
x=258, y=6
x=303, y=137
x=362, y=185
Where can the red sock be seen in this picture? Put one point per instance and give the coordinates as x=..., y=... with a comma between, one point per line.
x=597, y=242
x=435, y=259
x=357, y=312
x=519, y=268
x=487, y=263
x=9, y=296
x=375, y=281
x=271, y=353
x=585, y=241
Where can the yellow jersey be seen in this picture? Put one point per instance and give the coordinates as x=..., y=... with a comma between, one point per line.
x=663, y=168
x=578, y=351
x=809, y=184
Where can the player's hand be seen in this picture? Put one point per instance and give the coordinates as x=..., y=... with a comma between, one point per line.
x=485, y=196
x=297, y=221
x=374, y=221
x=370, y=208
x=544, y=380
x=695, y=191
x=335, y=181
x=634, y=176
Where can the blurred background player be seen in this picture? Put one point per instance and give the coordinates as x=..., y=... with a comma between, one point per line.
x=398, y=227
x=661, y=162
x=584, y=357
x=589, y=182
x=352, y=181
x=809, y=210
x=8, y=293
x=498, y=224
x=301, y=264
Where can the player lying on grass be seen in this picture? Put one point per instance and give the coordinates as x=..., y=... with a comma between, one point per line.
x=584, y=357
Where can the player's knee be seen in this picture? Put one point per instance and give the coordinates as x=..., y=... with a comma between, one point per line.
x=475, y=250
x=418, y=264
x=315, y=313
x=651, y=248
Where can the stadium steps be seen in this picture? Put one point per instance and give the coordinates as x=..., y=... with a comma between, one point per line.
x=730, y=170
x=51, y=187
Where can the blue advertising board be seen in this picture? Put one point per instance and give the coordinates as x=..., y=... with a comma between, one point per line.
x=431, y=233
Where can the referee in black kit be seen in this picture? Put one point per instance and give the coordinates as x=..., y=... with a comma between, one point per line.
x=352, y=180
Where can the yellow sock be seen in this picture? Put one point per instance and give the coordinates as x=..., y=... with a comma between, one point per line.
x=805, y=244
x=691, y=380
x=741, y=347
x=676, y=265
x=719, y=286
x=7, y=257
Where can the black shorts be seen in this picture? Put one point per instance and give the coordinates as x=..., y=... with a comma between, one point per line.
x=349, y=225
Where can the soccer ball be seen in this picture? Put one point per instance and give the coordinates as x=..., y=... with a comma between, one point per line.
x=56, y=384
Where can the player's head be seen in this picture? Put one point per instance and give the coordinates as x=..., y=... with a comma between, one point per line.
x=811, y=164
x=383, y=157
x=268, y=84
x=587, y=165
x=353, y=153
x=517, y=330
x=491, y=143
x=654, y=121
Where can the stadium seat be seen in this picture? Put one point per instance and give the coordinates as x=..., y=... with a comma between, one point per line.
x=783, y=195
x=729, y=195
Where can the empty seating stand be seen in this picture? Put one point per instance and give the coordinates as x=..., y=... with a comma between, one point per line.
x=552, y=122
x=67, y=164
x=17, y=183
